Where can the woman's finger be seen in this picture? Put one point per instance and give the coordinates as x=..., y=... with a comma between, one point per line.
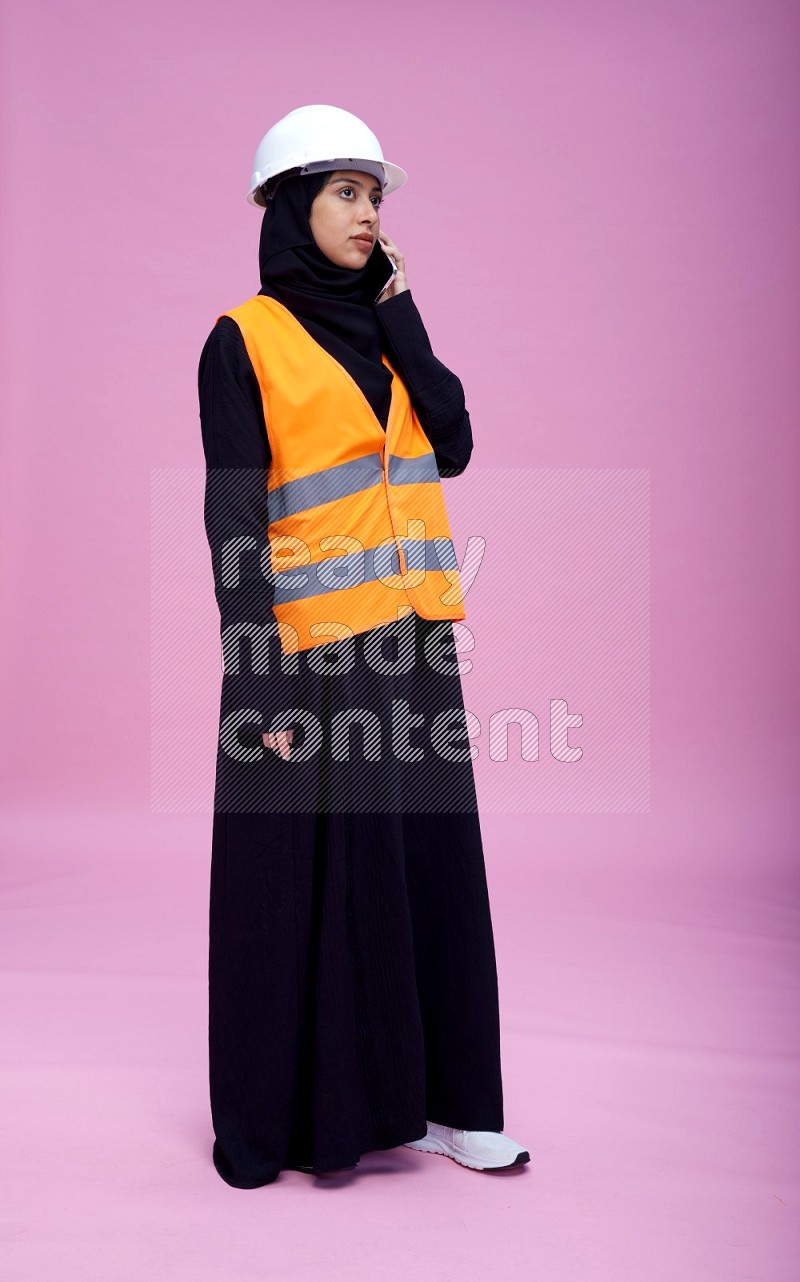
x=389, y=244
x=279, y=742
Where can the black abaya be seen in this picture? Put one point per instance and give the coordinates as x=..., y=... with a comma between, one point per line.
x=352, y=978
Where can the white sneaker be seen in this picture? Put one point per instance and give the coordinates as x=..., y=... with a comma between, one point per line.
x=481, y=1150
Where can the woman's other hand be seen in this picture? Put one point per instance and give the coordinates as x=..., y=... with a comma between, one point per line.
x=279, y=741
x=399, y=283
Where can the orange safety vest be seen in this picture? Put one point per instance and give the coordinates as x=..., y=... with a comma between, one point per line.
x=358, y=530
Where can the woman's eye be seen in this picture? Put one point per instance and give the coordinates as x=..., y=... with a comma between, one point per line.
x=378, y=199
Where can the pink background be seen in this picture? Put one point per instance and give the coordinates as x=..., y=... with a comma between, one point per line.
x=601, y=232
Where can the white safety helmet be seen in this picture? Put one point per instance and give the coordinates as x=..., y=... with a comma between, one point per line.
x=320, y=137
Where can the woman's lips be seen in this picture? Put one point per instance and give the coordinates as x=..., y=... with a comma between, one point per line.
x=364, y=241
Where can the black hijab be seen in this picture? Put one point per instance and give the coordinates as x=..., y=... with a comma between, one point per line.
x=336, y=305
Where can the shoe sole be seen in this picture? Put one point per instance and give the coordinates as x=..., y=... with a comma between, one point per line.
x=458, y=1155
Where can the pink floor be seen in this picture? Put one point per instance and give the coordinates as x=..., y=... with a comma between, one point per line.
x=649, y=975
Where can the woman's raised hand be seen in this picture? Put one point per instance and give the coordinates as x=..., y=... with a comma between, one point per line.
x=399, y=283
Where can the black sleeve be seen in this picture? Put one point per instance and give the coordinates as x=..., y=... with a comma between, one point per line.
x=237, y=456
x=436, y=392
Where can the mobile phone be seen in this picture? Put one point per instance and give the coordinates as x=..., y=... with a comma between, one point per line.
x=393, y=266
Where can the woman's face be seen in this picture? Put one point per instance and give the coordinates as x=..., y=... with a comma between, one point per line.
x=343, y=210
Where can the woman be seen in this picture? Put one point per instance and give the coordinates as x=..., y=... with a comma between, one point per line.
x=352, y=980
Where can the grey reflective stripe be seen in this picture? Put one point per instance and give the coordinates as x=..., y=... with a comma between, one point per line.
x=438, y=554
x=362, y=567
x=412, y=471
x=325, y=486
